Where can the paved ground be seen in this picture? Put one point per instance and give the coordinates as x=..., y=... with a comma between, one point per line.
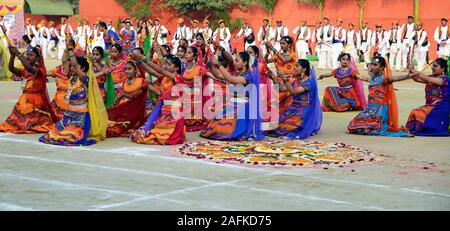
x=120, y=175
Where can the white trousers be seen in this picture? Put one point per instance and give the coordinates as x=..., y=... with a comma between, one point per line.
x=336, y=50
x=301, y=46
x=405, y=51
x=365, y=48
x=44, y=50
x=61, y=48
x=226, y=45
x=421, y=58
x=50, y=47
x=395, y=54
x=324, y=56
x=444, y=51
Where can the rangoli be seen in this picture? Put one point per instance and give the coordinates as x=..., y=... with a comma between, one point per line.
x=280, y=153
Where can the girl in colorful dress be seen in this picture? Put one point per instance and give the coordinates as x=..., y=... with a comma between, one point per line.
x=144, y=37
x=349, y=95
x=193, y=77
x=284, y=60
x=181, y=52
x=128, y=39
x=266, y=89
x=380, y=118
x=32, y=112
x=303, y=118
x=432, y=119
x=84, y=122
x=129, y=113
x=240, y=119
x=59, y=103
x=117, y=64
x=162, y=126
x=100, y=69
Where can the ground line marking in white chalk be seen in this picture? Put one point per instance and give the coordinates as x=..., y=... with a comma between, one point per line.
x=425, y=192
x=106, y=167
x=72, y=185
x=13, y=207
x=253, y=169
x=229, y=183
x=314, y=198
x=87, y=187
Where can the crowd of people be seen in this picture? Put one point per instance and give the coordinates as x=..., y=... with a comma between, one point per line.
x=138, y=84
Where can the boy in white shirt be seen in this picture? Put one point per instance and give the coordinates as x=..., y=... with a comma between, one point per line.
x=302, y=35
x=441, y=36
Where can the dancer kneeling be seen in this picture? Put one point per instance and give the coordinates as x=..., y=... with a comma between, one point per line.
x=129, y=112
x=303, y=118
x=349, y=95
x=381, y=115
x=162, y=126
x=84, y=123
x=432, y=119
x=240, y=119
x=32, y=112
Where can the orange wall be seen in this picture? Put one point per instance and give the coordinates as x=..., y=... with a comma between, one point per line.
x=376, y=11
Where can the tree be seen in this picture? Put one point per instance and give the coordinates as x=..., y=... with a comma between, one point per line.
x=75, y=6
x=320, y=4
x=268, y=5
x=136, y=8
x=361, y=11
x=217, y=9
x=416, y=10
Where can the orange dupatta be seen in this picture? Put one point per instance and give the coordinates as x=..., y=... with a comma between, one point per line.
x=391, y=101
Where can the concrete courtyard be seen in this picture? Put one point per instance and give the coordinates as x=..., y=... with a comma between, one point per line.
x=119, y=175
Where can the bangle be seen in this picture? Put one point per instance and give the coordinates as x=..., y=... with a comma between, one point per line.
x=145, y=59
x=139, y=62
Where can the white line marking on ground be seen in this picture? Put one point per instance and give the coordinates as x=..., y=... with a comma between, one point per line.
x=185, y=203
x=12, y=207
x=209, y=184
x=70, y=185
x=87, y=187
x=106, y=167
x=315, y=198
x=425, y=192
x=228, y=183
x=387, y=187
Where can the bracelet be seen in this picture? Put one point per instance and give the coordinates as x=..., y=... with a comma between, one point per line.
x=139, y=62
x=145, y=59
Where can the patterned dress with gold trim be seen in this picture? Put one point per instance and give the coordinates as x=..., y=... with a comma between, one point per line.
x=376, y=118
x=162, y=128
x=193, y=78
x=59, y=103
x=432, y=119
x=73, y=129
x=101, y=79
x=32, y=112
x=291, y=119
x=228, y=126
x=344, y=97
x=285, y=97
x=129, y=113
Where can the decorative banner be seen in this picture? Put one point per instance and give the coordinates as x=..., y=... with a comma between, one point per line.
x=280, y=153
x=12, y=10
x=11, y=6
x=8, y=21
